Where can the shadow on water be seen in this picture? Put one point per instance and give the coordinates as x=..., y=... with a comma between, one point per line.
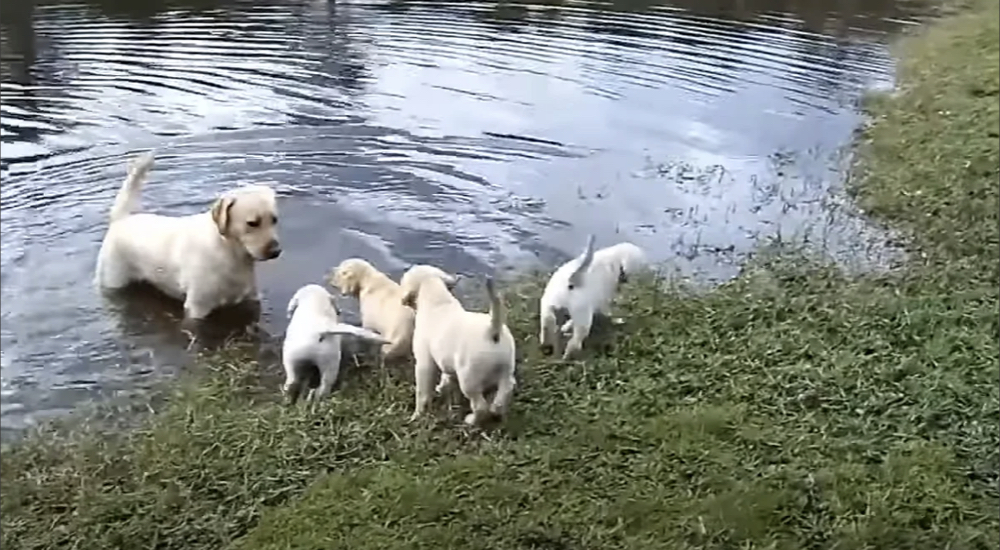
x=477, y=136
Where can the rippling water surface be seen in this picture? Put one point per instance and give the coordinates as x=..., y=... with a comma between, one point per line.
x=467, y=134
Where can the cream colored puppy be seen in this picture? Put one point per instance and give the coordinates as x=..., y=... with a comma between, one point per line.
x=582, y=287
x=477, y=349
x=311, y=350
x=207, y=259
x=381, y=302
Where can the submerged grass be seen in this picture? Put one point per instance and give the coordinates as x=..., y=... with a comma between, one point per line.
x=791, y=408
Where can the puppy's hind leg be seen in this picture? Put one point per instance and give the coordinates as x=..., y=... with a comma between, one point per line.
x=480, y=408
x=547, y=331
x=327, y=377
x=293, y=390
x=501, y=400
x=424, y=371
x=583, y=318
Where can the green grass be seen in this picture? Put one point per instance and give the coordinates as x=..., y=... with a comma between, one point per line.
x=792, y=408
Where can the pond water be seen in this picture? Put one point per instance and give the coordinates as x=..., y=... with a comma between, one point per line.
x=475, y=136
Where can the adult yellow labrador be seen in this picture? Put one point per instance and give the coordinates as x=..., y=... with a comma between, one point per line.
x=207, y=259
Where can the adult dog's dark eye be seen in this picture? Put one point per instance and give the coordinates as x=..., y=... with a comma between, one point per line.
x=274, y=220
x=253, y=223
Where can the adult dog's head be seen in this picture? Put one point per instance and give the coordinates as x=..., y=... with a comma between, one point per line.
x=416, y=280
x=249, y=216
x=351, y=276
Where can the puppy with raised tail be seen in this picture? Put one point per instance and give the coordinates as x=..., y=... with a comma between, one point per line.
x=207, y=259
x=381, y=302
x=476, y=349
x=582, y=287
x=311, y=350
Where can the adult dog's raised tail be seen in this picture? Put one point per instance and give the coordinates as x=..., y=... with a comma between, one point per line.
x=576, y=278
x=128, y=196
x=498, y=313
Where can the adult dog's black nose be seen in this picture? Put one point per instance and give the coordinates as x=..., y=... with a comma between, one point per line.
x=273, y=250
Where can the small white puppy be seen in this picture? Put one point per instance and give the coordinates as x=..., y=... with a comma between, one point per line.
x=584, y=286
x=381, y=301
x=206, y=260
x=477, y=349
x=311, y=350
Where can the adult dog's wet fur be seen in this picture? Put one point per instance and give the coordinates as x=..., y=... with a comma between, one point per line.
x=381, y=302
x=206, y=259
x=475, y=348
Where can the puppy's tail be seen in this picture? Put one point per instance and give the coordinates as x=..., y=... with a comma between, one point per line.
x=498, y=313
x=128, y=196
x=576, y=278
x=342, y=329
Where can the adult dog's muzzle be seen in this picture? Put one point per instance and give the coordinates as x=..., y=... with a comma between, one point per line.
x=272, y=251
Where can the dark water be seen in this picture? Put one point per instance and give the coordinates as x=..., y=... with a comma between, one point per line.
x=394, y=131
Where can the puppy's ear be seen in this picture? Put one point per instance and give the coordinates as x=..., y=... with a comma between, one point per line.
x=410, y=298
x=220, y=213
x=350, y=283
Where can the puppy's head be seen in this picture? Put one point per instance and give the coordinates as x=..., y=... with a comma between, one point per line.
x=415, y=278
x=349, y=277
x=314, y=297
x=630, y=259
x=249, y=216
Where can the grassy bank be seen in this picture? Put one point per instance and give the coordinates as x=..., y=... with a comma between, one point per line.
x=792, y=408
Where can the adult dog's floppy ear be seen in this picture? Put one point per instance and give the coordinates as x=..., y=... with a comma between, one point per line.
x=220, y=213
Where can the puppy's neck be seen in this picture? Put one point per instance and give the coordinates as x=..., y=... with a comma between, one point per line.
x=435, y=294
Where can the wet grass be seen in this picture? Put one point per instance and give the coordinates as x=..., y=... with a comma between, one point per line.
x=794, y=407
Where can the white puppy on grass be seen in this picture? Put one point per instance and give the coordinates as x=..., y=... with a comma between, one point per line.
x=207, y=259
x=311, y=350
x=381, y=302
x=477, y=349
x=582, y=287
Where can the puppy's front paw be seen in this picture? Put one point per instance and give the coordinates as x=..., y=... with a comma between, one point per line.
x=470, y=419
x=617, y=321
x=413, y=418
